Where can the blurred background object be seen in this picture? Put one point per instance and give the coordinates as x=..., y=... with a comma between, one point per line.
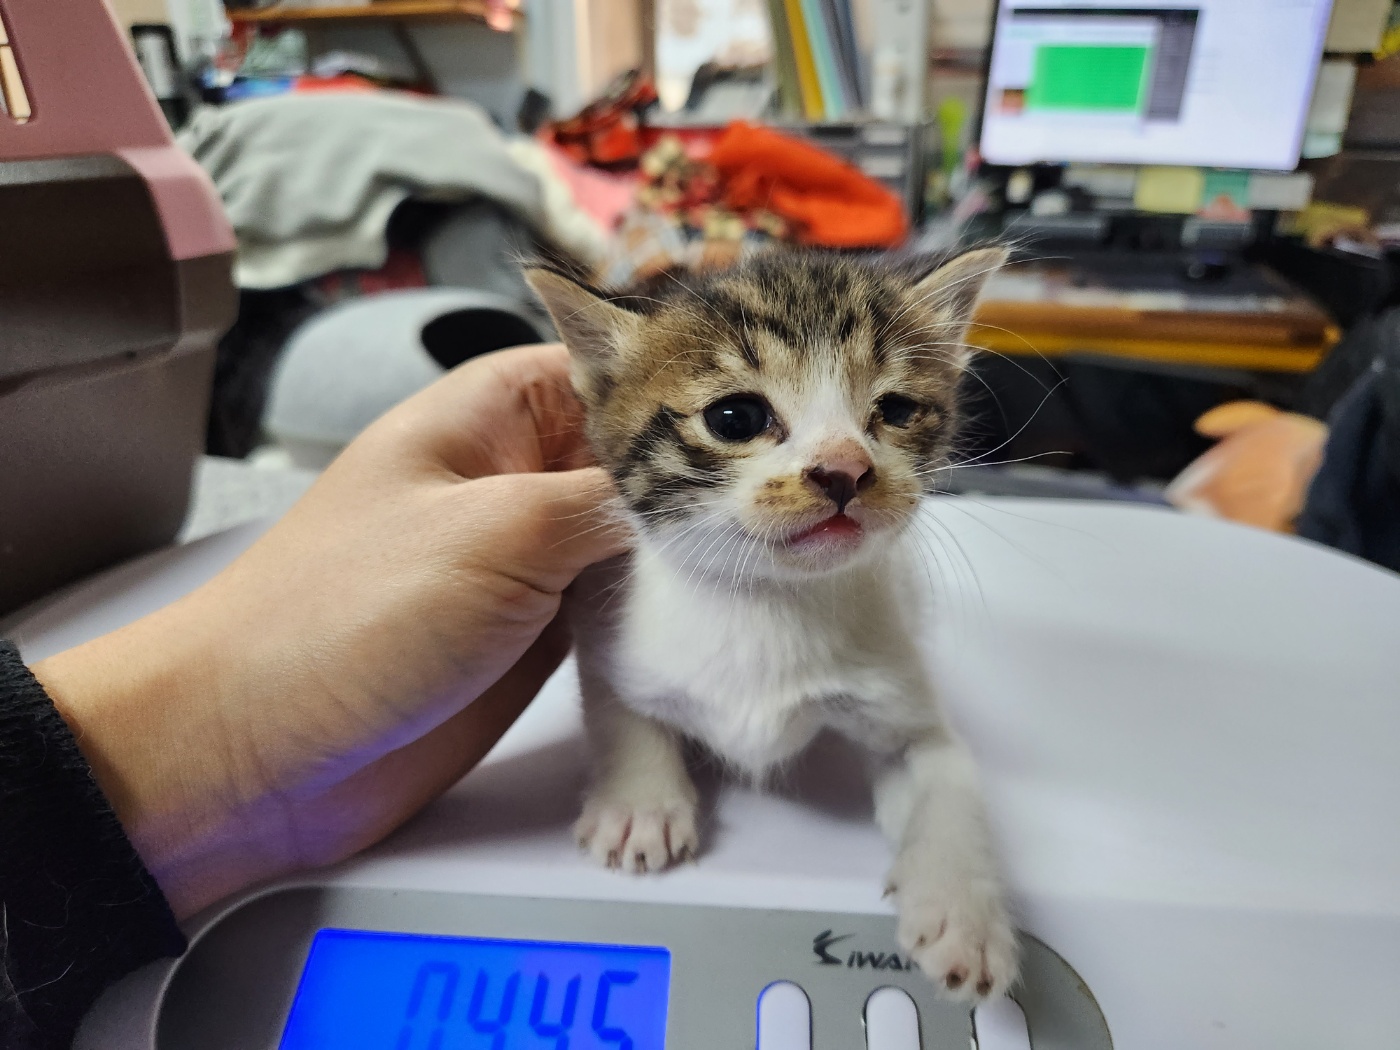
x=342, y=370
x=1259, y=471
x=1184, y=240
x=702, y=36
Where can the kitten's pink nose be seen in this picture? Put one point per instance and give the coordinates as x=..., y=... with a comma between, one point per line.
x=840, y=477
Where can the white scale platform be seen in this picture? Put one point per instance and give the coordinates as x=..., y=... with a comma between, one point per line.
x=1190, y=736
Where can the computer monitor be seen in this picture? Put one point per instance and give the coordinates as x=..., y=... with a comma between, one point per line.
x=1220, y=83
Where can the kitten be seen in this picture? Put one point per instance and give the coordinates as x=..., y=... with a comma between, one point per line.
x=770, y=430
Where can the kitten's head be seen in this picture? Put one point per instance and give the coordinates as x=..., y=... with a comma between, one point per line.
x=779, y=419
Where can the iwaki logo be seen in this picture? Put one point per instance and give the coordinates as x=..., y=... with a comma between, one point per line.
x=823, y=942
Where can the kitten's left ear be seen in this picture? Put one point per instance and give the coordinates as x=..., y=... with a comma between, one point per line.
x=953, y=288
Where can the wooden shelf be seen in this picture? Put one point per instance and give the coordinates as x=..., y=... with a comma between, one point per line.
x=379, y=10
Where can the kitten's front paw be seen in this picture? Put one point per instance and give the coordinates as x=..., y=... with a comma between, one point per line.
x=960, y=935
x=637, y=838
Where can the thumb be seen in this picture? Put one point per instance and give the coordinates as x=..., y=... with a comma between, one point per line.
x=555, y=524
x=1224, y=420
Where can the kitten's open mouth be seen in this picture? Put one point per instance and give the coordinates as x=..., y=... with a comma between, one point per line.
x=836, y=529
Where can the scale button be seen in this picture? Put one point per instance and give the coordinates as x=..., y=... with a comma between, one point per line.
x=891, y=1020
x=784, y=1018
x=1000, y=1025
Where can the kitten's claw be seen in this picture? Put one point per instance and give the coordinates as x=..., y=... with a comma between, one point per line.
x=960, y=936
x=638, y=839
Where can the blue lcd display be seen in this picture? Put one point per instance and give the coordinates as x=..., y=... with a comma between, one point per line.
x=390, y=991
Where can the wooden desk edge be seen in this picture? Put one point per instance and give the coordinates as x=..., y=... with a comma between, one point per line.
x=1251, y=356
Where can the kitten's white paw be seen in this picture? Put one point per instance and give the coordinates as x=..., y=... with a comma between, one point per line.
x=638, y=838
x=960, y=935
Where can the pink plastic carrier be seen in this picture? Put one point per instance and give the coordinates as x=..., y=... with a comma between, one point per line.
x=115, y=261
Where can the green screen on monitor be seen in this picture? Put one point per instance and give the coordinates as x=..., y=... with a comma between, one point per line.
x=1088, y=77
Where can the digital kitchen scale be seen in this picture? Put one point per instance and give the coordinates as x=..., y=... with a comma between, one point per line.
x=359, y=967
x=1190, y=739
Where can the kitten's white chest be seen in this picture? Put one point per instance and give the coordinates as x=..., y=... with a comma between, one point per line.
x=755, y=674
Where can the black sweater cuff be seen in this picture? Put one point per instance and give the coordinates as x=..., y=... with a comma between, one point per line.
x=78, y=909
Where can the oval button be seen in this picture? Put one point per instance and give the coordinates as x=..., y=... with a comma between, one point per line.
x=784, y=1018
x=1000, y=1025
x=891, y=1020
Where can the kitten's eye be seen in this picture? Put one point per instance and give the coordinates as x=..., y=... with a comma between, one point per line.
x=896, y=410
x=740, y=418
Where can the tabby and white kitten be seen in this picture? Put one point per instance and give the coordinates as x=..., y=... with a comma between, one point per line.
x=770, y=430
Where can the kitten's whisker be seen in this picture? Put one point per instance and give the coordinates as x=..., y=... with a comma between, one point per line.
x=1034, y=350
x=743, y=551
x=725, y=538
x=729, y=547
x=965, y=278
x=664, y=511
x=951, y=502
x=575, y=537
x=923, y=556
x=928, y=552
x=757, y=544
x=977, y=348
x=697, y=562
x=1015, y=335
x=908, y=307
x=971, y=566
x=967, y=497
x=671, y=542
x=682, y=335
x=687, y=292
x=1022, y=428
x=957, y=572
x=692, y=294
x=943, y=468
x=1012, y=544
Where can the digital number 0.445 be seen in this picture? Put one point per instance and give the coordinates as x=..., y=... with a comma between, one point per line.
x=508, y=1009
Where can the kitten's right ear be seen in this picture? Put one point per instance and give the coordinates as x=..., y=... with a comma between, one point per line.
x=592, y=328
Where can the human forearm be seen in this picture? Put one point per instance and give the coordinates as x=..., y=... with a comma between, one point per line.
x=145, y=706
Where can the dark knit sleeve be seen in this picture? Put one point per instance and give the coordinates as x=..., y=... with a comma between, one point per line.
x=78, y=909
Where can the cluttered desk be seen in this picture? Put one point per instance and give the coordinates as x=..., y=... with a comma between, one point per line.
x=1141, y=196
x=1087, y=84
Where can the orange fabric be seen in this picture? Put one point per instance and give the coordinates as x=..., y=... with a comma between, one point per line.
x=831, y=202
x=343, y=82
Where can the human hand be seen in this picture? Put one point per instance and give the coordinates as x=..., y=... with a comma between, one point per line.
x=365, y=652
x=1258, y=472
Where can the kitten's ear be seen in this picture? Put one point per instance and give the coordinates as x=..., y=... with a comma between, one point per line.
x=953, y=288
x=592, y=328
x=951, y=292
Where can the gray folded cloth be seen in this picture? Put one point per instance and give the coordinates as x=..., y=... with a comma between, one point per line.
x=309, y=181
x=349, y=365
